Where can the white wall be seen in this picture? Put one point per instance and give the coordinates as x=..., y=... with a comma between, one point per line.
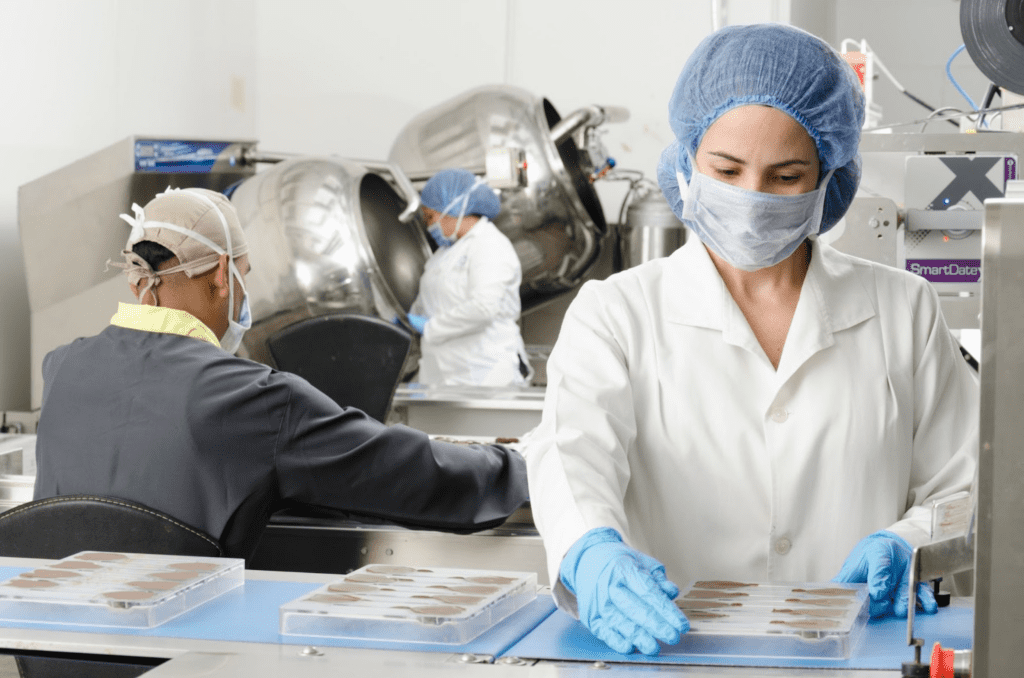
x=344, y=76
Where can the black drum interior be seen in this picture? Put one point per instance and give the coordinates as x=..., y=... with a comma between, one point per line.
x=397, y=248
x=570, y=160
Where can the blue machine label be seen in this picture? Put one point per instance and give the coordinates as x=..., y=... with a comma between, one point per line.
x=174, y=157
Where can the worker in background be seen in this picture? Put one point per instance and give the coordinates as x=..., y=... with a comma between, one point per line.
x=468, y=304
x=156, y=409
x=758, y=406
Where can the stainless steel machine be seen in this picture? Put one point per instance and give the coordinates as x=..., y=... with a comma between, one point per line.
x=328, y=235
x=527, y=151
x=928, y=220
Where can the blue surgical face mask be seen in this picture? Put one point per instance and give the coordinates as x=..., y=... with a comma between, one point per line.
x=232, y=339
x=437, y=233
x=749, y=229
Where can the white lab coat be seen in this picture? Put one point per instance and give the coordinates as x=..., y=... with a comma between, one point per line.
x=665, y=420
x=470, y=293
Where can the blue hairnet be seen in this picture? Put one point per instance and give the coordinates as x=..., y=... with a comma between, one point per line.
x=771, y=65
x=444, y=193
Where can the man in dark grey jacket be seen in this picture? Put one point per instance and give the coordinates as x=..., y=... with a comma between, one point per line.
x=154, y=410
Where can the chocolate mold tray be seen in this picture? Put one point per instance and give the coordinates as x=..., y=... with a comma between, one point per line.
x=129, y=590
x=409, y=604
x=752, y=619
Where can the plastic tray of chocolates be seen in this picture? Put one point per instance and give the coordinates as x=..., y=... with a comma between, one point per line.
x=773, y=619
x=409, y=604
x=117, y=589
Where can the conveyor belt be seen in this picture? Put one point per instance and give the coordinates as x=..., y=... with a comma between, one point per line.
x=250, y=614
x=560, y=637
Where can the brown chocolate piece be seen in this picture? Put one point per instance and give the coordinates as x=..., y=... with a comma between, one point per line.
x=813, y=612
x=175, y=576
x=505, y=441
x=824, y=602
x=458, y=600
x=366, y=578
x=438, y=610
x=490, y=580
x=76, y=565
x=390, y=569
x=345, y=587
x=808, y=624
x=684, y=604
x=721, y=585
x=705, y=593
x=154, y=585
x=128, y=595
x=827, y=592
x=469, y=588
x=193, y=567
x=102, y=556
x=32, y=584
x=50, y=574
x=333, y=598
x=704, y=614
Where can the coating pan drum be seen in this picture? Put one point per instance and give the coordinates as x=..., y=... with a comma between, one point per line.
x=555, y=221
x=324, y=237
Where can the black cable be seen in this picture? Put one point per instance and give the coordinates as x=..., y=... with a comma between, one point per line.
x=993, y=89
x=931, y=108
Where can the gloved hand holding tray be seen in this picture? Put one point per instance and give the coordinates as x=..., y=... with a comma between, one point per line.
x=772, y=619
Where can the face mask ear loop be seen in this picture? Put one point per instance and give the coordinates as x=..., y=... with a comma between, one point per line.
x=232, y=269
x=465, y=206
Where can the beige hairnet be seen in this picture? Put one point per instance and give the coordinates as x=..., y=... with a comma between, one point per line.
x=203, y=214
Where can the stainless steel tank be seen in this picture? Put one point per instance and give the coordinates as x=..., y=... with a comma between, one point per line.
x=325, y=235
x=553, y=217
x=651, y=230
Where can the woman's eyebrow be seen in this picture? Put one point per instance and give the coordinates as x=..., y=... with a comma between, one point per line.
x=739, y=161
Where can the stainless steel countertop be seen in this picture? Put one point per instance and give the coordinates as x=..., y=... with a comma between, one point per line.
x=471, y=397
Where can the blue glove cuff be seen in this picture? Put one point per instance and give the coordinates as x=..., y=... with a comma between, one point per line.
x=571, y=560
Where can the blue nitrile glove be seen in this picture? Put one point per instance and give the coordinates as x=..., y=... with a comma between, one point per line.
x=622, y=595
x=882, y=560
x=418, y=322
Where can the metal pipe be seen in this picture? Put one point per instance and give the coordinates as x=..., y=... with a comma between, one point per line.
x=251, y=156
x=588, y=116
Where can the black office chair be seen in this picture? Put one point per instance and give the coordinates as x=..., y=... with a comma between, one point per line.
x=354, y=359
x=63, y=526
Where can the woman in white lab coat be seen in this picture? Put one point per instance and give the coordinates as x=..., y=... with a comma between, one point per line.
x=758, y=406
x=468, y=304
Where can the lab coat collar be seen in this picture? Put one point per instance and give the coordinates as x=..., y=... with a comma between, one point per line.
x=478, y=228
x=833, y=298
x=165, y=320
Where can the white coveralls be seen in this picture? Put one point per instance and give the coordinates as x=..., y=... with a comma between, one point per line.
x=665, y=420
x=470, y=293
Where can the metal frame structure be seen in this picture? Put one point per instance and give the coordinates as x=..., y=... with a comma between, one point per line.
x=999, y=557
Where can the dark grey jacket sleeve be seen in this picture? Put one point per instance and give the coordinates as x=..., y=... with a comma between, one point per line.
x=343, y=459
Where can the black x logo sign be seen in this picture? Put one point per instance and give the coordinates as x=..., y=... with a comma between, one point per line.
x=970, y=178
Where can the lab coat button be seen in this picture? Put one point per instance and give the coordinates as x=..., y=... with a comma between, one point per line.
x=782, y=546
x=779, y=415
